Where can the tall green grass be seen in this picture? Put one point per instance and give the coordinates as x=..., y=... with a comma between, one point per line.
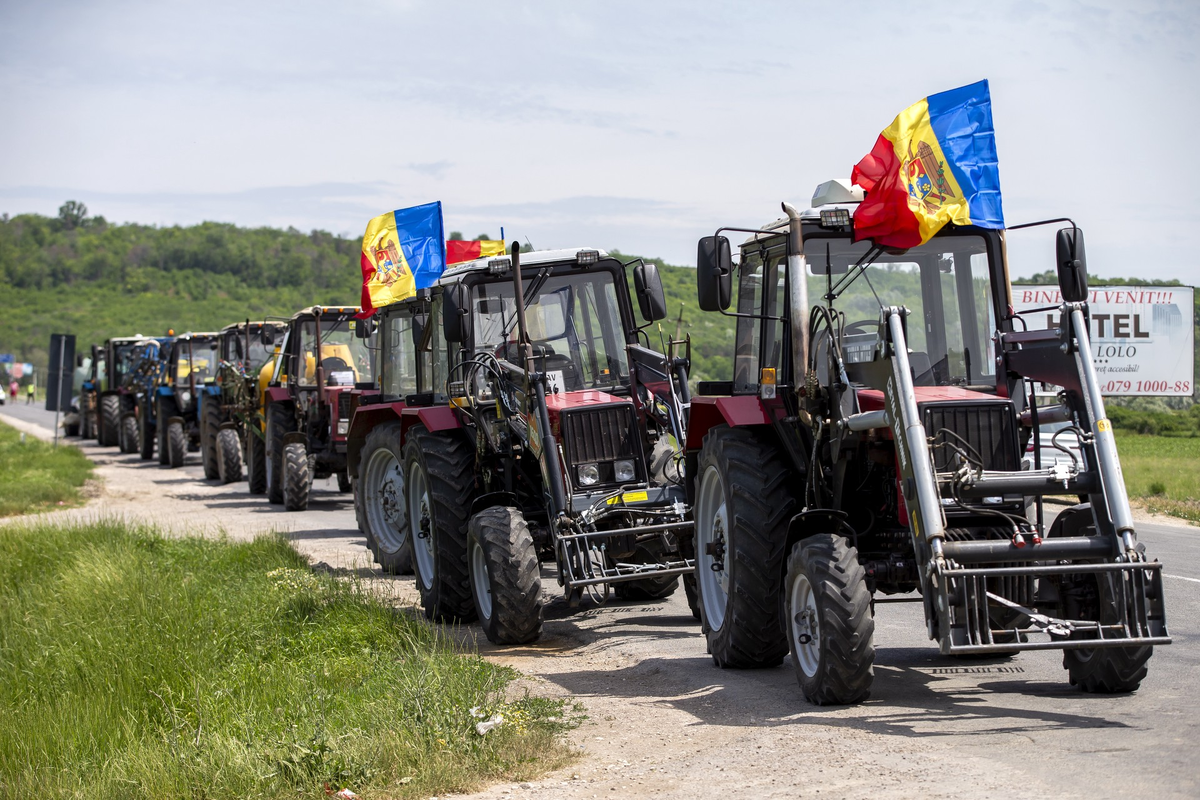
x=1163, y=471
x=133, y=665
x=36, y=475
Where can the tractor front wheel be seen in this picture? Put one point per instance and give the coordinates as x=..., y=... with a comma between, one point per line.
x=650, y=551
x=256, y=462
x=210, y=425
x=297, y=477
x=129, y=434
x=280, y=421
x=110, y=420
x=176, y=443
x=828, y=616
x=506, y=581
x=166, y=410
x=145, y=430
x=229, y=456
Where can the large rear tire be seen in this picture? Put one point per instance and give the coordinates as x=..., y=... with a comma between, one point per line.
x=379, y=500
x=210, y=426
x=176, y=444
x=828, y=614
x=256, y=462
x=229, y=452
x=110, y=420
x=506, y=581
x=297, y=477
x=145, y=430
x=280, y=421
x=439, y=485
x=743, y=505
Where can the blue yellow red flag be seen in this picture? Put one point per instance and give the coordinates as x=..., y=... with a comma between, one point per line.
x=402, y=251
x=935, y=164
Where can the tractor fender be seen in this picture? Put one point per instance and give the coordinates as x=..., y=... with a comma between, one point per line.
x=363, y=421
x=180, y=420
x=278, y=394
x=228, y=425
x=435, y=418
x=493, y=499
x=709, y=412
x=296, y=437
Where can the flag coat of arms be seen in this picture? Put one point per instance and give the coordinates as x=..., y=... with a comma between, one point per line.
x=936, y=163
x=402, y=251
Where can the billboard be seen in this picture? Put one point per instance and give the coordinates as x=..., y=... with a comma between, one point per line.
x=1143, y=337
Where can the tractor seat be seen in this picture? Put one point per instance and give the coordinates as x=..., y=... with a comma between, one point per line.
x=545, y=360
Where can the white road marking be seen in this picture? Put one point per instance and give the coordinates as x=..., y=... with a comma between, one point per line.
x=1181, y=578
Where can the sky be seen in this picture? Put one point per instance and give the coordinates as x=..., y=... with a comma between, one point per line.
x=637, y=126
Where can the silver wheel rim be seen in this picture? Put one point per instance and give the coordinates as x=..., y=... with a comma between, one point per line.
x=383, y=494
x=418, y=514
x=805, y=626
x=481, y=582
x=712, y=526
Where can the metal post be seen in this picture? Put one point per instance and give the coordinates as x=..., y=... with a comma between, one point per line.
x=62, y=351
x=798, y=288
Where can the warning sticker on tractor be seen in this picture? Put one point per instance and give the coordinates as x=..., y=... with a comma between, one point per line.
x=629, y=497
x=1103, y=425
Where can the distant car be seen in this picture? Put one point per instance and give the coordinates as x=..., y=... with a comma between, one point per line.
x=1060, y=443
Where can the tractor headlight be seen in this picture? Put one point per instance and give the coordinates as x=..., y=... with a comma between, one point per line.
x=185, y=399
x=343, y=426
x=624, y=469
x=589, y=474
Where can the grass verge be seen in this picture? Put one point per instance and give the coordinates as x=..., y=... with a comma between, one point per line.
x=36, y=475
x=1161, y=472
x=133, y=665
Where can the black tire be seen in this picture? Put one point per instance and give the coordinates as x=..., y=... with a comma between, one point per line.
x=280, y=421
x=743, y=504
x=71, y=430
x=210, y=426
x=176, y=444
x=86, y=419
x=647, y=552
x=129, y=434
x=506, y=581
x=297, y=477
x=229, y=456
x=166, y=410
x=110, y=420
x=439, y=483
x=828, y=614
x=256, y=463
x=145, y=430
x=687, y=548
x=1108, y=670
x=379, y=500
x=343, y=479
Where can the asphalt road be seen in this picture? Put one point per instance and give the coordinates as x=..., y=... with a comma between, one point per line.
x=664, y=721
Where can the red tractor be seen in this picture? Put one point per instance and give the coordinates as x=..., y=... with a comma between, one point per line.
x=869, y=448
x=322, y=362
x=521, y=423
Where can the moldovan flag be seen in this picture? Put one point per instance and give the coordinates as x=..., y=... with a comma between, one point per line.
x=460, y=251
x=402, y=251
x=936, y=163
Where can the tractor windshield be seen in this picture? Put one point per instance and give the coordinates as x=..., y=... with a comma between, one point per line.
x=574, y=323
x=344, y=358
x=125, y=359
x=198, y=358
x=946, y=286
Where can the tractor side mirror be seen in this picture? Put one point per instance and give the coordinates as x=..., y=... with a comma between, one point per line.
x=456, y=313
x=648, y=286
x=714, y=273
x=363, y=328
x=1072, y=265
x=267, y=335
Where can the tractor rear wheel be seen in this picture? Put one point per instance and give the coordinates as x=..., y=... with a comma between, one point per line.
x=379, y=500
x=280, y=421
x=650, y=551
x=110, y=420
x=297, y=477
x=145, y=430
x=506, y=581
x=828, y=614
x=256, y=462
x=229, y=456
x=210, y=426
x=439, y=484
x=743, y=505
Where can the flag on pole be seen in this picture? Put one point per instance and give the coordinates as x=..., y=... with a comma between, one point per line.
x=402, y=251
x=460, y=251
x=936, y=163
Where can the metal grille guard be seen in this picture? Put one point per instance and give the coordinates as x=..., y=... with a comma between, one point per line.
x=1139, y=618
